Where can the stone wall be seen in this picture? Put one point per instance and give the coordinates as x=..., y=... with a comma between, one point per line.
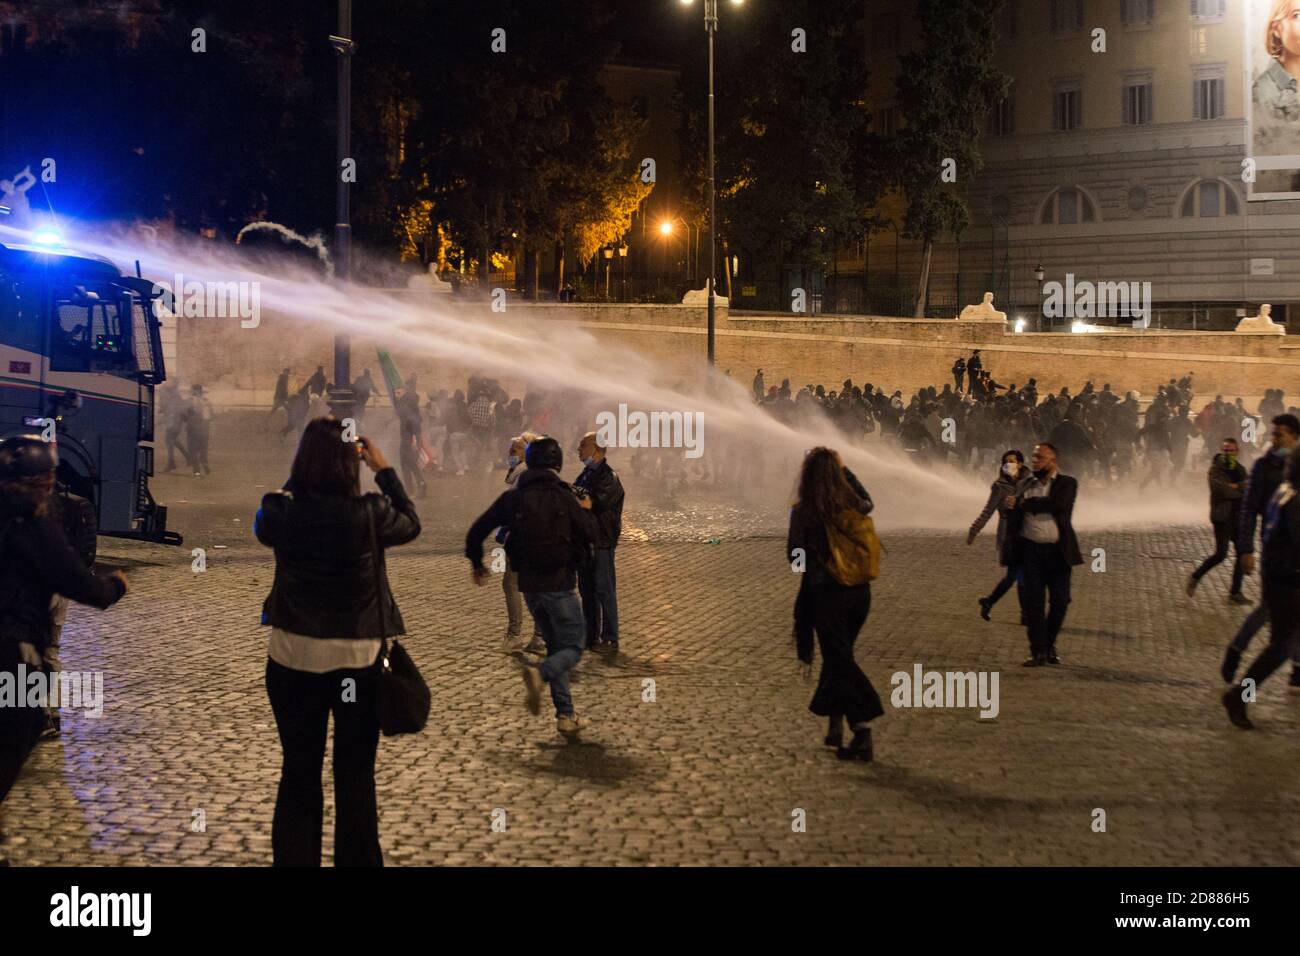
x=239, y=366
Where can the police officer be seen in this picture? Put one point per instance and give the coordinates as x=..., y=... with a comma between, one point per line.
x=36, y=563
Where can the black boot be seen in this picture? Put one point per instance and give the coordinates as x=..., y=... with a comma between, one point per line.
x=985, y=607
x=859, y=747
x=1231, y=660
x=1236, y=708
x=835, y=731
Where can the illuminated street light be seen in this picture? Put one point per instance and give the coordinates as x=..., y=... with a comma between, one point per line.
x=666, y=228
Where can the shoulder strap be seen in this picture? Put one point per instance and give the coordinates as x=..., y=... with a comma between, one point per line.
x=379, y=577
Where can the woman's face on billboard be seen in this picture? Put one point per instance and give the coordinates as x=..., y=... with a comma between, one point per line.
x=1287, y=27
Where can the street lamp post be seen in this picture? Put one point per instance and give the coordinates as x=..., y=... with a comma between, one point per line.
x=711, y=28
x=609, y=262
x=622, y=259
x=1039, y=275
x=341, y=397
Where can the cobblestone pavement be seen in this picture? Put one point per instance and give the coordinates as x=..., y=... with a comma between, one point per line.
x=715, y=768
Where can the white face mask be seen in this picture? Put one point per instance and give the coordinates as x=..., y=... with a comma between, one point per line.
x=1011, y=469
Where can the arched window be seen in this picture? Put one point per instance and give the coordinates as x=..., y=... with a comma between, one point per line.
x=1209, y=199
x=1068, y=206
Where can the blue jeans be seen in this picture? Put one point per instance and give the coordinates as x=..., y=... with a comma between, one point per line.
x=558, y=614
x=599, y=597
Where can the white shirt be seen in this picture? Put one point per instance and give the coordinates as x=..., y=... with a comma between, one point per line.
x=1040, y=528
x=317, y=655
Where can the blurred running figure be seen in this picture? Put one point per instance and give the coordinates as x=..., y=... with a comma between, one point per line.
x=1280, y=573
x=828, y=493
x=1265, y=477
x=510, y=579
x=1007, y=484
x=1227, y=485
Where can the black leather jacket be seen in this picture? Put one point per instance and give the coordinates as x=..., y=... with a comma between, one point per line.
x=606, y=490
x=327, y=583
x=36, y=562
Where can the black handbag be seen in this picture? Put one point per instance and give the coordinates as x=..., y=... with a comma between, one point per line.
x=403, y=698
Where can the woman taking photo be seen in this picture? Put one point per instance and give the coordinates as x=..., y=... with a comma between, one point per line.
x=828, y=493
x=1010, y=475
x=328, y=610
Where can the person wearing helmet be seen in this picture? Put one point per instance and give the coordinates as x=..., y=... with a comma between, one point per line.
x=551, y=534
x=36, y=563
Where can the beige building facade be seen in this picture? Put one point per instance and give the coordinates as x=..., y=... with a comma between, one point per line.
x=1117, y=157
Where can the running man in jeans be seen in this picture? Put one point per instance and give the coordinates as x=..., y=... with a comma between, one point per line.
x=551, y=534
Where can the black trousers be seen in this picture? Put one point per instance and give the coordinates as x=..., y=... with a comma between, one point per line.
x=1044, y=577
x=1006, y=584
x=838, y=614
x=302, y=703
x=1283, y=602
x=1222, y=539
x=19, y=727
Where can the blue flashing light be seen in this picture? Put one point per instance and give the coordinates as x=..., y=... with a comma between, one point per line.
x=47, y=238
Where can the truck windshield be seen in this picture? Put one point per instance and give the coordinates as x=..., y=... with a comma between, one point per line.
x=92, y=329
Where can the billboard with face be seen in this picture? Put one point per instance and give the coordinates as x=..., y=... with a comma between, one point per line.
x=1273, y=113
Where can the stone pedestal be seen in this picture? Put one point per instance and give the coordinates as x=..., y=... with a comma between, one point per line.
x=984, y=312
x=700, y=297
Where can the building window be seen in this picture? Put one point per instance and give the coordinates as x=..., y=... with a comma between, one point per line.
x=1068, y=207
x=1067, y=108
x=1209, y=11
x=1067, y=16
x=1136, y=12
x=1137, y=99
x=1208, y=93
x=1209, y=199
x=885, y=32
x=1002, y=118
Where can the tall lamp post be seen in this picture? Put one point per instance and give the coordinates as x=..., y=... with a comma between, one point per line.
x=341, y=397
x=622, y=258
x=711, y=28
x=1039, y=275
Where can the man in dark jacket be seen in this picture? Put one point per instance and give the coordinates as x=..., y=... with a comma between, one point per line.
x=1227, y=484
x=1281, y=587
x=601, y=484
x=1042, y=533
x=1265, y=476
x=36, y=563
x=551, y=533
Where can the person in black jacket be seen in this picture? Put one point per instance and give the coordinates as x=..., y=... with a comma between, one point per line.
x=551, y=534
x=596, y=583
x=834, y=611
x=1010, y=477
x=330, y=610
x=1265, y=477
x=1280, y=573
x=36, y=563
x=1227, y=485
x=1041, y=531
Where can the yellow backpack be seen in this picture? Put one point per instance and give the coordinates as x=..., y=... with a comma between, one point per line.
x=855, y=549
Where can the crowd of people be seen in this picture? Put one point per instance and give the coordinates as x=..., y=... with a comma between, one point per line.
x=971, y=421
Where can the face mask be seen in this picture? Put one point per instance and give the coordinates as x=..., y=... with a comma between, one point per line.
x=1282, y=452
x=513, y=461
x=1231, y=460
x=1042, y=473
x=1011, y=469
x=591, y=462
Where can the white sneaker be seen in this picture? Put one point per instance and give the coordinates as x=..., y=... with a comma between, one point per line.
x=570, y=723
